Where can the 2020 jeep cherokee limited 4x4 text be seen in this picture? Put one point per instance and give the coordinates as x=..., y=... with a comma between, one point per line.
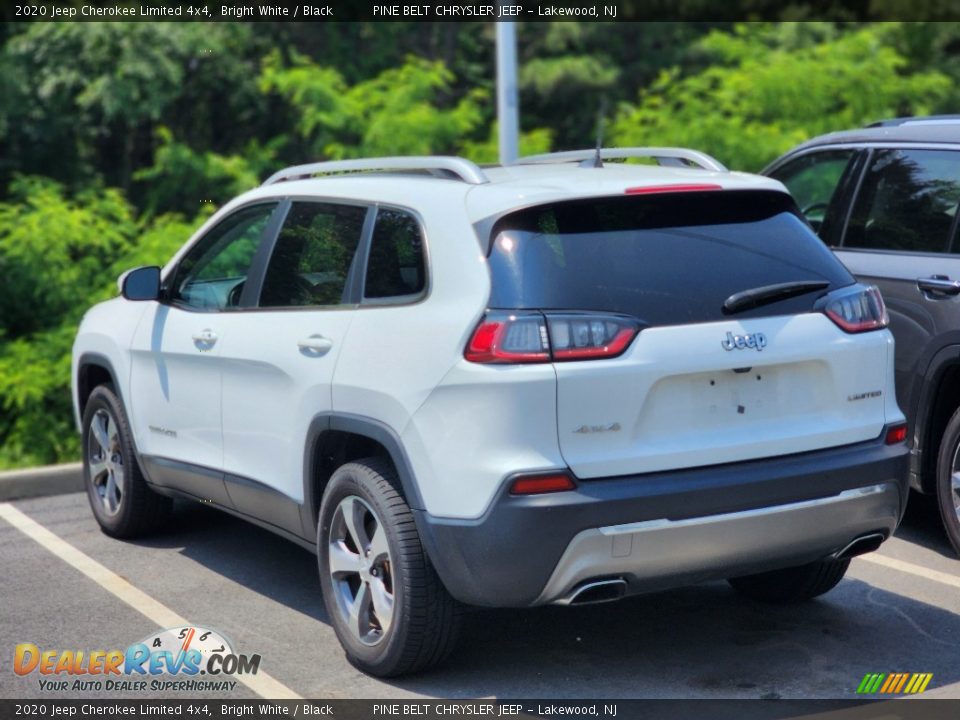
x=559, y=381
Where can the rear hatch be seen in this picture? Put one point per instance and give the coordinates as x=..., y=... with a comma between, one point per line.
x=686, y=329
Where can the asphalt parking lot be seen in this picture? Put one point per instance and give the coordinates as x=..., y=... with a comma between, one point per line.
x=897, y=611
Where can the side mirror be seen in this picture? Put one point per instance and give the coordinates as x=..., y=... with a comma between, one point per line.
x=142, y=283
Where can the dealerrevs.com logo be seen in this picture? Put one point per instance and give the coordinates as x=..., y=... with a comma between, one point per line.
x=184, y=653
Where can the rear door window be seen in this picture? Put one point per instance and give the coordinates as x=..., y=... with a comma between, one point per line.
x=665, y=259
x=908, y=202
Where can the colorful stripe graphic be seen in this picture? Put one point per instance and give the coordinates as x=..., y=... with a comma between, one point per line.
x=894, y=683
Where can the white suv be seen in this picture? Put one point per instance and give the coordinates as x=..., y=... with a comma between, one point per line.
x=560, y=381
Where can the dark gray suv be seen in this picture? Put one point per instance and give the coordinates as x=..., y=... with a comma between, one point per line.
x=885, y=198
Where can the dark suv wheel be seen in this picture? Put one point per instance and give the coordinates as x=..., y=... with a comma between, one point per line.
x=948, y=480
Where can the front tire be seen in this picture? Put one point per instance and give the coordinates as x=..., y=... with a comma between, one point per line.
x=948, y=480
x=387, y=606
x=122, y=503
x=792, y=585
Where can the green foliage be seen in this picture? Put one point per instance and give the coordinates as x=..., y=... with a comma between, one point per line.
x=398, y=112
x=533, y=142
x=54, y=250
x=81, y=100
x=764, y=96
x=58, y=256
x=183, y=179
x=36, y=425
x=570, y=72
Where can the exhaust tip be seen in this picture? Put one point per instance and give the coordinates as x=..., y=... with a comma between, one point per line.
x=595, y=591
x=860, y=546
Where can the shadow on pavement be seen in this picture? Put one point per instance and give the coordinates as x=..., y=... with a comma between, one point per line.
x=703, y=641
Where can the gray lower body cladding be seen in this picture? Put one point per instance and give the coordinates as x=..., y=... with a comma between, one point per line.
x=663, y=530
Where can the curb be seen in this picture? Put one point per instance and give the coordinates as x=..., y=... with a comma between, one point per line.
x=41, y=481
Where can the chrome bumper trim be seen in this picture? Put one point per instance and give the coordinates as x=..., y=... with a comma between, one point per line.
x=657, y=554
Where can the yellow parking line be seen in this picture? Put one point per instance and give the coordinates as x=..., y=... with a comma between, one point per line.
x=261, y=683
x=911, y=569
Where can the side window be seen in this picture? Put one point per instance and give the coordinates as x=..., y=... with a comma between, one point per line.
x=814, y=181
x=311, y=261
x=213, y=274
x=908, y=201
x=396, y=265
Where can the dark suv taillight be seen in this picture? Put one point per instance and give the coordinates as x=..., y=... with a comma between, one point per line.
x=857, y=309
x=533, y=337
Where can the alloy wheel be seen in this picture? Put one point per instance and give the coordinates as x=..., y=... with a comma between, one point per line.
x=361, y=570
x=955, y=480
x=105, y=461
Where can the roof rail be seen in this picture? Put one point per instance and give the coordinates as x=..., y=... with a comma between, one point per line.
x=675, y=157
x=441, y=166
x=920, y=120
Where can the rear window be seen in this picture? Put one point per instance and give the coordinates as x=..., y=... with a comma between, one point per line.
x=665, y=259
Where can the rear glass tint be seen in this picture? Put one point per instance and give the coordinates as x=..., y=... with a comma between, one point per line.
x=665, y=259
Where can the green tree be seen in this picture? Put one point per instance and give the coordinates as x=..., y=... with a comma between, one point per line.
x=570, y=72
x=58, y=256
x=81, y=100
x=401, y=111
x=54, y=251
x=772, y=87
x=182, y=179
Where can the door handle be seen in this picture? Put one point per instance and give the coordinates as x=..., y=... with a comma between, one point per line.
x=315, y=345
x=205, y=337
x=939, y=284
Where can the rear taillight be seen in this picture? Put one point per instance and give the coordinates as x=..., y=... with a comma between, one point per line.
x=533, y=337
x=509, y=338
x=857, y=310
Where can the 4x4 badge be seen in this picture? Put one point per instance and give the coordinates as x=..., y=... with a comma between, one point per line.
x=751, y=341
x=587, y=429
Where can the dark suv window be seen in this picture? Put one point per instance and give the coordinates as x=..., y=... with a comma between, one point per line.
x=814, y=180
x=907, y=201
x=395, y=267
x=665, y=259
x=313, y=254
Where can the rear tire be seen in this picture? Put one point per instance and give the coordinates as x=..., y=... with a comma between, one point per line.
x=792, y=585
x=385, y=601
x=122, y=503
x=948, y=480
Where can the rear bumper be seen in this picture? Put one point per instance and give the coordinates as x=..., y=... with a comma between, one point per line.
x=668, y=529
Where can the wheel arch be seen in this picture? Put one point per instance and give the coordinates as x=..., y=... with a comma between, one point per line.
x=939, y=400
x=94, y=369
x=337, y=438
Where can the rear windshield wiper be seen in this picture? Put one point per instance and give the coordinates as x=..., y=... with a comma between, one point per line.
x=749, y=299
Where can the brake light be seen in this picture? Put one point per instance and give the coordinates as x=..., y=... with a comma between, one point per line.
x=533, y=337
x=896, y=434
x=538, y=484
x=657, y=189
x=857, y=310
